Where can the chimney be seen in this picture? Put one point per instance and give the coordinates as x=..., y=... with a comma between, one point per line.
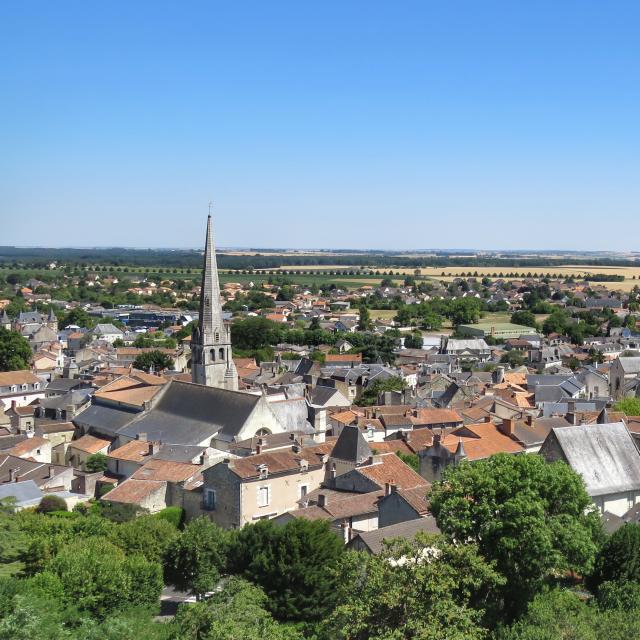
x=334, y=472
x=507, y=426
x=12, y=475
x=13, y=405
x=437, y=439
x=389, y=488
x=153, y=448
x=52, y=471
x=17, y=478
x=260, y=446
x=487, y=418
x=322, y=499
x=142, y=436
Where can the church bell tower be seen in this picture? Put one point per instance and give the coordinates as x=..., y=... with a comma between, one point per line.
x=211, y=361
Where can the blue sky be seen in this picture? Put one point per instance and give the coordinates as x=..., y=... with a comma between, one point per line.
x=363, y=124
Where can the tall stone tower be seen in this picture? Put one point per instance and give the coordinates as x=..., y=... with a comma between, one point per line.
x=211, y=361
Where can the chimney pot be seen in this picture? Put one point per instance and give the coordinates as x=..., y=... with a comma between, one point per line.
x=507, y=426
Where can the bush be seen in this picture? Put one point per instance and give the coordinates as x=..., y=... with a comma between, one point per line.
x=619, y=558
x=96, y=462
x=51, y=503
x=173, y=515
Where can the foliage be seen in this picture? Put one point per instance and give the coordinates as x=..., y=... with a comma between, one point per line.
x=534, y=519
x=174, y=515
x=147, y=536
x=15, y=351
x=196, y=559
x=98, y=578
x=156, y=359
x=413, y=341
x=237, y=612
x=293, y=563
x=619, y=558
x=78, y=317
x=364, y=321
x=525, y=318
x=423, y=589
x=51, y=503
x=119, y=511
x=513, y=358
x=370, y=395
x=96, y=462
x=629, y=406
x=410, y=459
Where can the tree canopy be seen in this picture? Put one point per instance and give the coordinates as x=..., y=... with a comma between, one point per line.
x=15, y=351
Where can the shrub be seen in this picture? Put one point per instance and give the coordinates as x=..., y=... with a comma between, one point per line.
x=173, y=515
x=51, y=503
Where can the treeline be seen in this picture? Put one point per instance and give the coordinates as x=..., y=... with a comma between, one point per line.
x=188, y=258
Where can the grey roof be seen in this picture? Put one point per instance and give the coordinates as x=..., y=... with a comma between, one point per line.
x=543, y=379
x=62, y=385
x=74, y=398
x=107, y=328
x=374, y=540
x=29, y=317
x=25, y=494
x=189, y=413
x=605, y=455
x=630, y=364
x=8, y=442
x=321, y=396
x=104, y=419
x=293, y=414
x=351, y=445
x=178, y=452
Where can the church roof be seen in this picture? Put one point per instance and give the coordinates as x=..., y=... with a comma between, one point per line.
x=189, y=414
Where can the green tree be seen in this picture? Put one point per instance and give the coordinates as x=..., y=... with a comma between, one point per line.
x=364, y=321
x=147, y=536
x=15, y=351
x=78, y=317
x=629, y=406
x=513, y=358
x=619, y=558
x=371, y=392
x=413, y=341
x=96, y=462
x=156, y=359
x=196, y=559
x=525, y=318
x=294, y=565
x=237, y=612
x=98, y=578
x=534, y=519
x=422, y=589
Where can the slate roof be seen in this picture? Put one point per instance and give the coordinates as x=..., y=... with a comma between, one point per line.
x=189, y=413
x=630, y=364
x=351, y=445
x=374, y=540
x=603, y=454
x=106, y=420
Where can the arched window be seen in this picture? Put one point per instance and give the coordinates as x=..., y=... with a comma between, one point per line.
x=262, y=432
x=221, y=353
x=213, y=355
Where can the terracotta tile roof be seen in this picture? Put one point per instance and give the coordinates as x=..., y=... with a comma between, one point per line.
x=416, y=498
x=344, y=417
x=8, y=378
x=390, y=446
x=341, y=505
x=633, y=423
x=54, y=426
x=90, y=444
x=27, y=446
x=437, y=416
x=134, y=491
x=475, y=413
x=392, y=470
x=486, y=440
x=135, y=389
x=286, y=461
x=133, y=451
x=343, y=357
x=24, y=411
x=166, y=470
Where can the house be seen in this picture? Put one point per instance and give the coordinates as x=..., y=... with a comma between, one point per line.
x=33, y=448
x=23, y=387
x=373, y=541
x=466, y=350
x=606, y=457
x=107, y=332
x=80, y=450
x=401, y=505
x=23, y=495
x=46, y=476
x=624, y=376
x=261, y=486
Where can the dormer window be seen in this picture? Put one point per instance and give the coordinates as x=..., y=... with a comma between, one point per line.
x=14, y=388
x=25, y=387
x=36, y=386
x=263, y=471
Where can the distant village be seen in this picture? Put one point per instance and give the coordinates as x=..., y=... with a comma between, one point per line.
x=275, y=401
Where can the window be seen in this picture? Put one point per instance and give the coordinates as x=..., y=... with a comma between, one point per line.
x=304, y=489
x=210, y=499
x=221, y=353
x=264, y=496
x=212, y=353
x=36, y=386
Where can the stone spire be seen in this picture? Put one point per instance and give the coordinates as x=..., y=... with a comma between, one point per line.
x=211, y=360
x=210, y=309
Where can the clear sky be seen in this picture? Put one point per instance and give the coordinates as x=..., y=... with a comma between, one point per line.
x=350, y=123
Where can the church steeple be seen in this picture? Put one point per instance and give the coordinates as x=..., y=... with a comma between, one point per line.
x=211, y=360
